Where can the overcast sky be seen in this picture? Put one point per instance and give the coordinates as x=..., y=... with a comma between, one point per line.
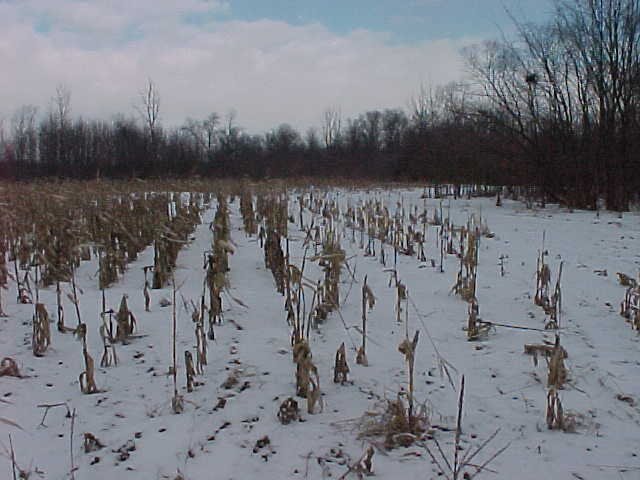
x=272, y=61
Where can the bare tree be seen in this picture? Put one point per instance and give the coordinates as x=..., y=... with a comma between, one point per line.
x=149, y=109
x=230, y=136
x=501, y=70
x=195, y=130
x=453, y=99
x=394, y=124
x=568, y=92
x=61, y=113
x=372, y=122
x=423, y=107
x=203, y=133
x=62, y=105
x=312, y=140
x=605, y=38
x=210, y=125
x=23, y=131
x=331, y=127
x=5, y=152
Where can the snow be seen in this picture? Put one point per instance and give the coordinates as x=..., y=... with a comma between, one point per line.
x=504, y=389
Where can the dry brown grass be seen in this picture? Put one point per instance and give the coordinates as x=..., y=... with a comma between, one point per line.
x=390, y=421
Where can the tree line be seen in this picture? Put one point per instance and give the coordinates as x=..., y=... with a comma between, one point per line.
x=556, y=107
x=437, y=139
x=567, y=94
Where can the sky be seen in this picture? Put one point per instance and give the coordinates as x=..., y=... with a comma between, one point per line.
x=268, y=61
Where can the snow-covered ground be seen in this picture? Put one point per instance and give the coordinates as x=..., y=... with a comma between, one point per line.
x=209, y=440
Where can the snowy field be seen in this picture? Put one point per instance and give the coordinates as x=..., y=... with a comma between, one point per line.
x=222, y=432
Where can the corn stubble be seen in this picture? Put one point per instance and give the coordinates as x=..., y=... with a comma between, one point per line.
x=47, y=245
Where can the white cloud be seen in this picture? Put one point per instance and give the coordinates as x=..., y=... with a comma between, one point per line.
x=268, y=71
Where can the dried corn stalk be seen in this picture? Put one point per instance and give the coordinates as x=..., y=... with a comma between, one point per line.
x=190, y=370
x=274, y=259
x=555, y=413
x=365, y=464
x=554, y=306
x=177, y=404
x=4, y=274
x=392, y=422
x=557, y=372
x=408, y=348
x=543, y=279
x=214, y=280
x=626, y=281
x=247, y=212
x=108, y=265
x=332, y=260
x=87, y=381
x=307, y=378
x=160, y=265
x=288, y=411
x=302, y=359
x=368, y=299
x=109, y=356
x=177, y=401
x=91, y=443
x=201, y=344
x=314, y=396
x=126, y=321
x=476, y=328
x=294, y=297
x=60, y=324
x=466, y=279
x=542, y=349
x=145, y=291
x=80, y=332
x=630, y=307
x=341, y=369
x=9, y=368
x=401, y=294
x=41, y=336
